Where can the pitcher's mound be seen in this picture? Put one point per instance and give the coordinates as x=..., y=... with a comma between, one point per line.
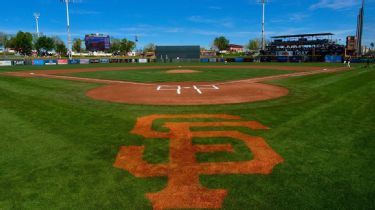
x=181, y=71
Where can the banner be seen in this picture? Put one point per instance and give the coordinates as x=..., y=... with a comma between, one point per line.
x=114, y=61
x=5, y=63
x=50, y=62
x=62, y=61
x=38, y=62
x=74, y=61
x=18, y=63
x=142, y=60
x=104, y=60
x=284, y=53
x=238, y=60
x=94, y=60
x=84, y=61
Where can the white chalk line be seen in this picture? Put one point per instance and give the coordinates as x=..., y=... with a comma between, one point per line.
x=215, y=85
x=178, y=88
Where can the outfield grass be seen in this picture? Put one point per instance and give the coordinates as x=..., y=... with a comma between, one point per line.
x=160, y=75
x=56, y=67
x=58, y=146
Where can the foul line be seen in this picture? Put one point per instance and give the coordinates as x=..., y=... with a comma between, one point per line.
x=196, y=87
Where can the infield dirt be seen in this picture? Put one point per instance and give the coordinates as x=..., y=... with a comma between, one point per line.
x=183, y=93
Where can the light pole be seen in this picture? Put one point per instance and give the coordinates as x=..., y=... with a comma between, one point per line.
x=263, y=23
x=68, y=26
x=36, y=16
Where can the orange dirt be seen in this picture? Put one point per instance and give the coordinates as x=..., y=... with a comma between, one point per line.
x=184, y=93
x=184, y=189
x=181, y=71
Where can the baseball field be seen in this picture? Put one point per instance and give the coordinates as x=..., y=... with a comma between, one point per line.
x=187, y=136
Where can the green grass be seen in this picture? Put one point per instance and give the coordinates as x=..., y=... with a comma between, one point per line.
x=159, y=75
x=28, y=67
x=58, y=146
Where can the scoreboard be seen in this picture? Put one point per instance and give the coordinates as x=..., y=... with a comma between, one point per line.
x=97, y=42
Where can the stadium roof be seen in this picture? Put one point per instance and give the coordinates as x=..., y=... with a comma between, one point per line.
x=302, y=35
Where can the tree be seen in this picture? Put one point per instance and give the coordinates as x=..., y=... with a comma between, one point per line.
x=44, y=44
x=126, y=46
x=372, y=45
x=77, y=43
x=56, y=39
x=3, y=39
x=254, y=44
x=11, y=43
x=61, y=48
x=22, y=43
x=149, y=48
x=115, y=45
x=221, y=43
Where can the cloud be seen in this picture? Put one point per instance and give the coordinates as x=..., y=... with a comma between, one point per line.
x=226, y=22
x=291, y=18
x=85, y=12
x=238, y=34
x=297, y=17
x=334, y=4
x=150, y=30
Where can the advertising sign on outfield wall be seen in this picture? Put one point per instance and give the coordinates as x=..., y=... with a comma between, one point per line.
x=50, y=62
x=62, y=61
x=74, y=61
x=84, y=61
x=104, y=60
x=94, y=61
x=114, y=61
x=38, y=62
x=18, y=63
x=142, y=60
x=5, y=63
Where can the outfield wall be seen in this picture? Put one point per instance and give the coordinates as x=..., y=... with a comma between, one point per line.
x=47, y=62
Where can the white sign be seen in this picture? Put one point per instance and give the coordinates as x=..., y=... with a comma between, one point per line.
x=142, y=60
x=5, y=63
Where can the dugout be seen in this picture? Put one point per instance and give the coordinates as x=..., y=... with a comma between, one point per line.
x=177, y=53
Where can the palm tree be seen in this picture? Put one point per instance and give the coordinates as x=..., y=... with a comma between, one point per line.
x=372, y=45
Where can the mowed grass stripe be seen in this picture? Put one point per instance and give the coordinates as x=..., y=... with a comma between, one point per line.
x=323, y=130
x=159, y=75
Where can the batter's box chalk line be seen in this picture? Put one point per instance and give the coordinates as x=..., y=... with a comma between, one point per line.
x=179, y=88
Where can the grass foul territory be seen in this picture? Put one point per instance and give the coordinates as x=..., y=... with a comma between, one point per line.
x=311, y=147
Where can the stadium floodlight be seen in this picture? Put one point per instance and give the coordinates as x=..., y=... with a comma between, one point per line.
x=36, y=16
x=359, y=35
x=263, y=2
x=67, y=2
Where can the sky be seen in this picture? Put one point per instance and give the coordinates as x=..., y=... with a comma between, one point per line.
x=188, y=22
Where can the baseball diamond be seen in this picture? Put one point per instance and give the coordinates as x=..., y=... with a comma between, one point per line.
x=195, y=105
x=134, y=137
x=184, y=93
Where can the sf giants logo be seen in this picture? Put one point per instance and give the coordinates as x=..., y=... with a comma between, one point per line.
x=184, y=189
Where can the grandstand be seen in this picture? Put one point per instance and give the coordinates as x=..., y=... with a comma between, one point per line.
x=302, y=47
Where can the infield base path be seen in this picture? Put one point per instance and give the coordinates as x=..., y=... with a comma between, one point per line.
x=183, y=93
